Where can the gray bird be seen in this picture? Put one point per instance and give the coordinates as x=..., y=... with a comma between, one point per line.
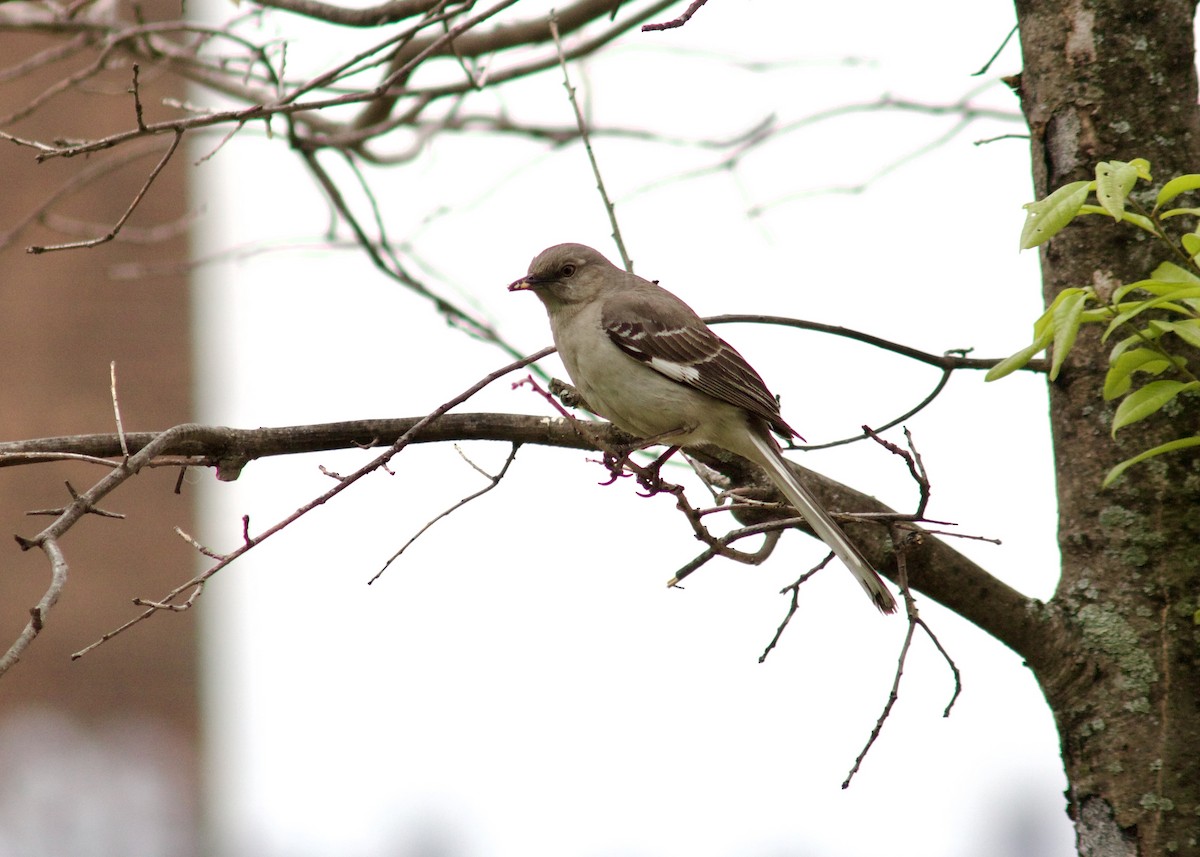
x=640, y=357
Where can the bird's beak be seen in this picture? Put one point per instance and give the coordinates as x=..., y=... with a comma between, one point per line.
x=523, y=284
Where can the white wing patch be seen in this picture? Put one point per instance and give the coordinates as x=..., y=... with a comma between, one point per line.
x=684, y=374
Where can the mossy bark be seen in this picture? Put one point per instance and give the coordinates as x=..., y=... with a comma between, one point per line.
x=1101, y=81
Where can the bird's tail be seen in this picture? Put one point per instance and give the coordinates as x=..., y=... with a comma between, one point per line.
x=770, y=459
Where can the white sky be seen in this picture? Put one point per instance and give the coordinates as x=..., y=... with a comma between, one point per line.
x=522, y=682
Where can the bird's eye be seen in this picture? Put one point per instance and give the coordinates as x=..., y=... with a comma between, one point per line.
x=566, y=271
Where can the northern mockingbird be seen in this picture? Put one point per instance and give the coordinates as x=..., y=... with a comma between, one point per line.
x=641, y=357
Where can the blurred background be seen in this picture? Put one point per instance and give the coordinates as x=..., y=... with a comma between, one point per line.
x=521, y=681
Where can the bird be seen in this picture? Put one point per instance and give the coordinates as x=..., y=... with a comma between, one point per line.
x=643, y=359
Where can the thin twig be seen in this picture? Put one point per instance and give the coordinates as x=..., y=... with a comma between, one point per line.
x=207, y=551
x=911, y=611
x=902, y=543
x=89, y=507
x=676, y=22
x=112, y=233
x=493, y=481
x=40, y=611
x=794, y=588
x=10, y=459
x=455, y=315
x=249, y=542
x=609, y=208
x=867, y=431
x=177, y=608
x=112, y=381
x=89, y=174
x=137, y=99
x=618, y=460
x=955, y=358
x=987, y=65
x=949, y=662
x=916, y=467
x=756, y=558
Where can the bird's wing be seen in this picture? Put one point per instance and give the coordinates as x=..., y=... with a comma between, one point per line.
x=662, y=332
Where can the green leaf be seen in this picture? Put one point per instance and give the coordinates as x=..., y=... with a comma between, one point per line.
x=1138, y=220
x=1169, y=446
x=1114, y=181
x=1166, y=302
x=1120, y=374
x=1176, y=186
x=1169, y=272
x=1046, y=217
x=1043, y=328
x=1191, y=243
x=1120, y=347
x=1011, y=364
x=1188, y=331
x=1148, y=400
x=1160, y=288
x=1139, y=339
x=1066, y=328
x=1176, y=212
x=1154, y=287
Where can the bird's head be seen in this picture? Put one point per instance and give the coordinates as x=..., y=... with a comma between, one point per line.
x=565, y=274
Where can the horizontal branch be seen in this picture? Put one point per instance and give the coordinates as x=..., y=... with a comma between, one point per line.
x=952, y=359
x=388, y=12
x=934, y=568
x=231, y=449
x=943, y=574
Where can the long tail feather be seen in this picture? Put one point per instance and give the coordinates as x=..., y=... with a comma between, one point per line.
x=771, y=460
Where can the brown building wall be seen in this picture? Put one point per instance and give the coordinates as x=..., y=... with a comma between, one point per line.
x=99, y=755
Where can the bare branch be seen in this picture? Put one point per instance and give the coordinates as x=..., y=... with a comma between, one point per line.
x=609, y=208
x=952, y=359
x=230, y=449
x=91, y=173
x=493, y=481
x=904, y=542
x=137, y=99
x=916, y=467
x=473, y=325
x=676, y=22
x=112, y=233
x=911, y=612
x=112, y=374
x=504, y=37
x=89, y=509
x=987, y=65
x=249, y=542
x=935, y=569
x=371, y=16
x=793, y=588
x=40, y=611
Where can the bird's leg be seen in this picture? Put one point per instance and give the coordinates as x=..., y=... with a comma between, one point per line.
x=651, y=476
x=568, y=395
x=648, y=477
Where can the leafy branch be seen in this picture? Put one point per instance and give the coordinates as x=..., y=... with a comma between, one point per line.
x=1155, y=322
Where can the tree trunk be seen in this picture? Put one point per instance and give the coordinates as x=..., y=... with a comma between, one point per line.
x=1113, y=80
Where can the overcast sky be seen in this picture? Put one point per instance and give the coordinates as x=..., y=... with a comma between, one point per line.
x=522, y=682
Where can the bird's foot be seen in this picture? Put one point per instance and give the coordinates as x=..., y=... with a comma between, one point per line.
x=650, y=477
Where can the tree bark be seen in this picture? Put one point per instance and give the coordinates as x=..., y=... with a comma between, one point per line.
x=1101, y=81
